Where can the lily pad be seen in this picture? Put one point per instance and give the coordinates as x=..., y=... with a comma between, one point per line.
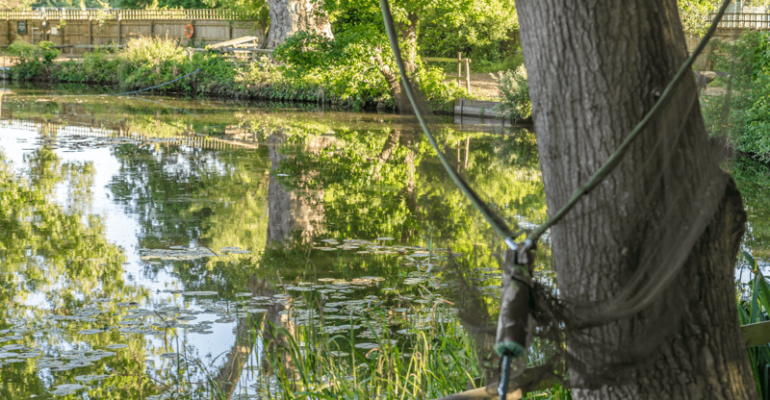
x=89, y=378
x=90, y=331
x=67, y=389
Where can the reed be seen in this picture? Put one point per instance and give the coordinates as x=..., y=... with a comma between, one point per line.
x=753, y=306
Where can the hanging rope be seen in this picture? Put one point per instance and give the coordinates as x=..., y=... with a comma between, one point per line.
x=494, y=220
x=157, y=86
x=497, y=223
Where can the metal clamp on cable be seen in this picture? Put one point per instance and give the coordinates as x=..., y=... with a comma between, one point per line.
x=516, y=306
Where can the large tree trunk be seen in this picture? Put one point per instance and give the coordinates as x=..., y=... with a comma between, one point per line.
x=594, y=69
x=290, y=16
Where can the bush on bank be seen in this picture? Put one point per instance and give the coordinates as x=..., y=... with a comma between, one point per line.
x=335, y=72
x=742, y=114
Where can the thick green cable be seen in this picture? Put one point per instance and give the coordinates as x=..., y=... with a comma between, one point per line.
x=616, y=157
x=492, y=218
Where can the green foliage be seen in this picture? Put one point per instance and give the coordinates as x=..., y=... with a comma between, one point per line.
x=342, y=67
x=34, y=60
x=341, y=71
x=511, y=60
x=515, y=90
x=753, y=179
x=483, y=30
x=252, y=10
x=440, y=360
x=752, y=308
x=14, y=5
x=695, y=14
x=372, y=177
x=75, y=3
x=163, y=4
x=347, y=67
x=743, y=114
x=752, y=83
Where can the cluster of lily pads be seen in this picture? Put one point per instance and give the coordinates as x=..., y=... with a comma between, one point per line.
x=57, y=360
x=336, y=309
x=182, y=253
x=369, y=247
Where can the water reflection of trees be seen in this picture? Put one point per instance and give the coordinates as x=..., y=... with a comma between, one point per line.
x=183, y=196
x=60, y=254
x=310, y=178
x=386, y=184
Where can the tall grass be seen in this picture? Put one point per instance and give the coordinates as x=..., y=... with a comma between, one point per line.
x=437, y=360
x=753, y=309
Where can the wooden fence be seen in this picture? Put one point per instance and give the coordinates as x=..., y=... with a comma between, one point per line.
x=459, y=60
x=109, y=27
x=744, y=20
x=105, y=14
x=189, y=139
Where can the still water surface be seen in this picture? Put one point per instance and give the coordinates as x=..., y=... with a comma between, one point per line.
x=147, y=245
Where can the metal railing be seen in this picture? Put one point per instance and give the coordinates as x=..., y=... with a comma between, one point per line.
x=101, y=14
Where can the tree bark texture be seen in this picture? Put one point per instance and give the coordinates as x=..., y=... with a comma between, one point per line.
x=290, y=16
x=595, y=68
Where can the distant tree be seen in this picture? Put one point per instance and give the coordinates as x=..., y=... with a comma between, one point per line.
x=73, y=3
x=15, y=4
x=161, y=4
x=363, y=19
x=290, y=16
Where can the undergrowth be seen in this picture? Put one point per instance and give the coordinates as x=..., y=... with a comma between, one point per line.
x=340, y=72
x=742, y=113
x=515, y=90
x=438, y=359
x=753, y=306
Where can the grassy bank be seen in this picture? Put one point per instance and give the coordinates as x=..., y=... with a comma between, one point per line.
x=146, y=62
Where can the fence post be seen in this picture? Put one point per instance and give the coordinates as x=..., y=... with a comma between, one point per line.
x=459, y=68
x=468, y=74
x=90, y=31
x=120, y=29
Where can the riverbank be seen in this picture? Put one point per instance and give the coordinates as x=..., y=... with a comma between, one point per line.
x=145, y=63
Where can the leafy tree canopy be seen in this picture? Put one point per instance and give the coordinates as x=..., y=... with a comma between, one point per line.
x=71, y=3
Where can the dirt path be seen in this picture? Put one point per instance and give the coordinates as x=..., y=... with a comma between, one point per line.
x=484, y=85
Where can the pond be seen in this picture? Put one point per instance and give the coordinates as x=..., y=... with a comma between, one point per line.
x=155, y=248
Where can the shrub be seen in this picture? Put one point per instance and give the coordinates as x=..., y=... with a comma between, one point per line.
x=342, y=69
x=312, y=68
x=34, y=60
x=515, y=91
x=743, y=115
